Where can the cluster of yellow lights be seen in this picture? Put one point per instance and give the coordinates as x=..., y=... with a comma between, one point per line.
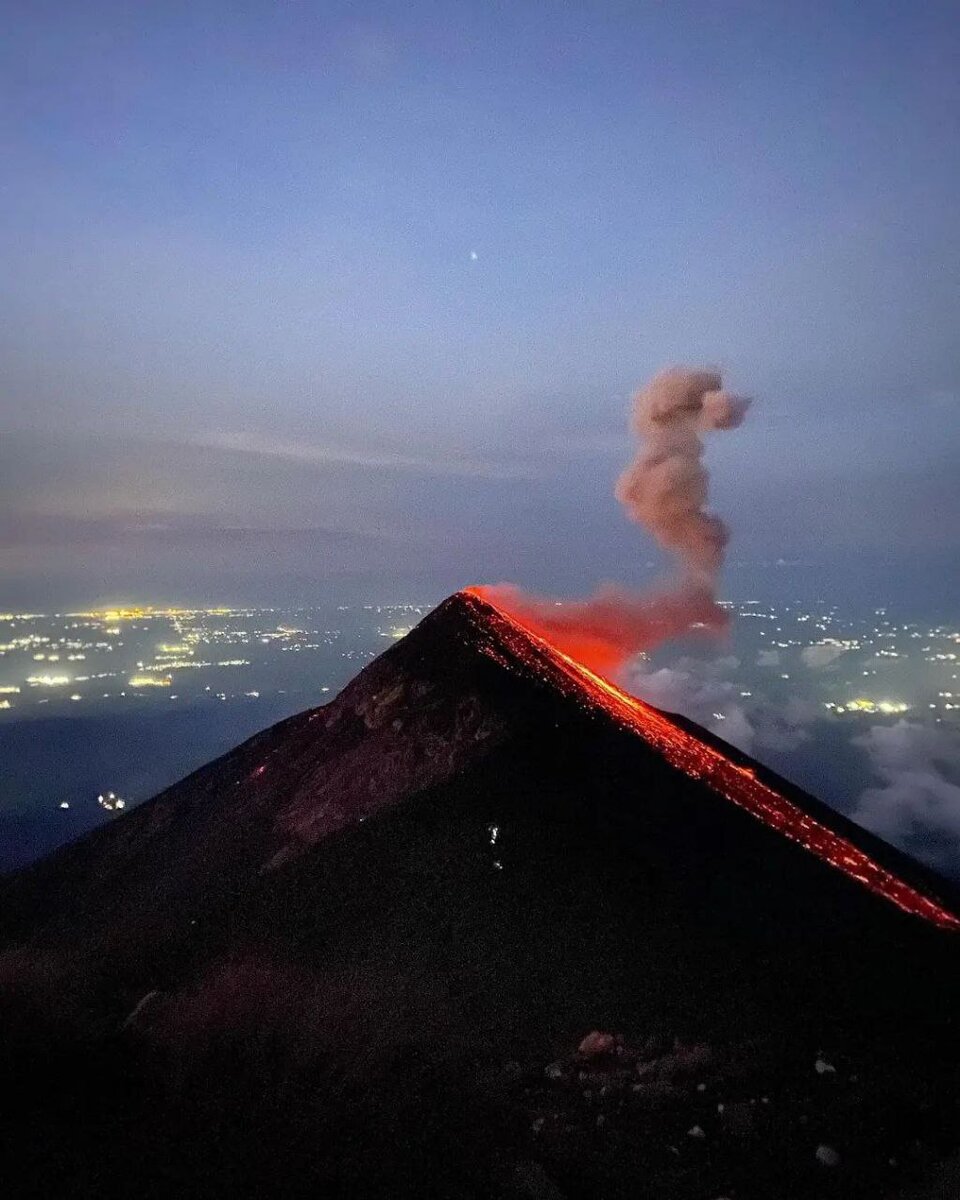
x=48, y=680
x=177, y=664
x=138, y=681
x=137, y=613
x=862, y=705
x=396, y=632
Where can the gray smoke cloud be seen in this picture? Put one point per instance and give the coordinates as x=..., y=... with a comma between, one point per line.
x=665, y=490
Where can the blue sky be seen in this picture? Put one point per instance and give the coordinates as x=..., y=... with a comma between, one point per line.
x=382, y=278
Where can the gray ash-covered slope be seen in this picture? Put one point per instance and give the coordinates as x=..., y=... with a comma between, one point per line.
x=358, y=953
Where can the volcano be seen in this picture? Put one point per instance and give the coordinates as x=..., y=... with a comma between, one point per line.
x=484, y=925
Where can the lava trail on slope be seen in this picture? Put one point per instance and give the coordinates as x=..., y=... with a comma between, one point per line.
x=700, y=760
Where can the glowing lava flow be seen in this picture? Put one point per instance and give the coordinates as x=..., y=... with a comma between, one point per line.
x=702, y=761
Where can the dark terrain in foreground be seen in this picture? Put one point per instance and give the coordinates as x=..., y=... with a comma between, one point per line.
x=357, y=955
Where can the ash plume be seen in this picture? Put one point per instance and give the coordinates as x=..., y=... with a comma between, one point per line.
x=665, y=487
x=665, y=490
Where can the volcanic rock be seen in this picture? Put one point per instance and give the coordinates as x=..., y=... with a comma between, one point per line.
x=343, y=958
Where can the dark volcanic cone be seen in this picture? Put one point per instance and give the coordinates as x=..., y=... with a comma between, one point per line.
x=358, y=954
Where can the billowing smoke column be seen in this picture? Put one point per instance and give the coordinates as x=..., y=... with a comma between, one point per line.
x=665, y=490
x=665, y=487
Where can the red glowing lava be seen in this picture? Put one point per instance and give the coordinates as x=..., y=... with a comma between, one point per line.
x=698, y=759
x=609, y=628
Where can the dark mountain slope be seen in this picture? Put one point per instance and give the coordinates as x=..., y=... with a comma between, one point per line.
x=378, y=931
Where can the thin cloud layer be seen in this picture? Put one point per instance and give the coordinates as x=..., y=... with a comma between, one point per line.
x=324, y=454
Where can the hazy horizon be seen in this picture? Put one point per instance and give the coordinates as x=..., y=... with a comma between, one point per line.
x=300, y=294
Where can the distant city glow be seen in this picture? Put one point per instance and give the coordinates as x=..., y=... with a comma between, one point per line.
x=862, y=705
x=154, y=647
x=396, y=632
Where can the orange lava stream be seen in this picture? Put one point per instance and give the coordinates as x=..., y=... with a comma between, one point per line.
x=736, y=783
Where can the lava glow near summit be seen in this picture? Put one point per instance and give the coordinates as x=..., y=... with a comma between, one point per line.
x=735, y=782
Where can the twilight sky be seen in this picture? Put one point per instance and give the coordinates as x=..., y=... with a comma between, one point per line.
x=303, y=296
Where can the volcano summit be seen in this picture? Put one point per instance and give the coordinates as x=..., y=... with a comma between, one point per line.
x=361, y=955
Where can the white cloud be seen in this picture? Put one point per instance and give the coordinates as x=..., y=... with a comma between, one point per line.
x=821, y=655
x=702, y=691
x=919, y=803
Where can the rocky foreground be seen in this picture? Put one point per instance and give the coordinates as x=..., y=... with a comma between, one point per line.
x=474, y=930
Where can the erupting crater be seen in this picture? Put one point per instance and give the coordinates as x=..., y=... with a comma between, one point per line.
x=516, y=644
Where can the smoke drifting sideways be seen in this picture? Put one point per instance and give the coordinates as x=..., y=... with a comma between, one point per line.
x=665, y=490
